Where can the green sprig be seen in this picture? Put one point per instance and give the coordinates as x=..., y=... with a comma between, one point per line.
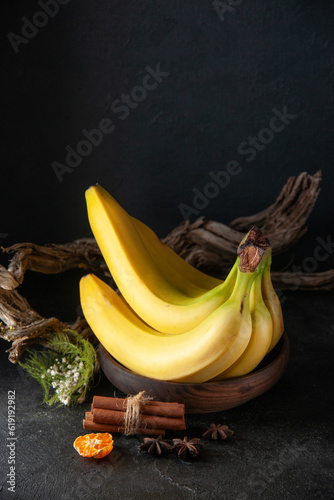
x=66, y=370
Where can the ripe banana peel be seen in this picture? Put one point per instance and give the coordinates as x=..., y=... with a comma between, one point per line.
x=168, y=301
x=261, y=338
x=172, y=322
x=168, y=261
x=273, y=305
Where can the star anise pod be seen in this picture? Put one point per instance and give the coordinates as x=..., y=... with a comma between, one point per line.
x=155, y=446
x=187, y=449
x=218, y=432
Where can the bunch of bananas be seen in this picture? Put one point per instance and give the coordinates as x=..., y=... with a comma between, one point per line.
x=170, y=321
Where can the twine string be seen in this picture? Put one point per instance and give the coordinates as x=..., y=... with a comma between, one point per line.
x=132, y=418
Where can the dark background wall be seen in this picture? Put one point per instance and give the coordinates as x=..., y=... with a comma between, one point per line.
x=228, y=68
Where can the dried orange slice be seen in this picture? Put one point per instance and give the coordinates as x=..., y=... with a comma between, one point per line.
x=94, y=445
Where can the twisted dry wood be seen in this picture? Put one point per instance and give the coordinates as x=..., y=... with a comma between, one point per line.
x=304, y=281
x=50, y=259
x=211, y=246
x=23, y=326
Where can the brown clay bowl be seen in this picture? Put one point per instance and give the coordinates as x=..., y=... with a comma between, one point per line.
x=207, y=397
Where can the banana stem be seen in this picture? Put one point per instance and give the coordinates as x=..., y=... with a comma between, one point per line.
x=254, y=255
x=256, y=291
x=242, y=287
x=252, y=249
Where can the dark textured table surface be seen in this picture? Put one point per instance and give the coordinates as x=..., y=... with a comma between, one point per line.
x=282, y=446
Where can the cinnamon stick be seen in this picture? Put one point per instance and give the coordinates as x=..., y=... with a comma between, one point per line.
x=158, y=408
x=90, y=425
x=114, y=417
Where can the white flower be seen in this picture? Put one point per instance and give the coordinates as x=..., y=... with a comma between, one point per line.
x=65, y=400
x=53, y=373
x=43, y=375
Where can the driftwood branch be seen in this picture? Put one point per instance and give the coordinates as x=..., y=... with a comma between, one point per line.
x=50, y=259
x=23, y=326
x=304, y=281
x=211, y=246
x=289, y=213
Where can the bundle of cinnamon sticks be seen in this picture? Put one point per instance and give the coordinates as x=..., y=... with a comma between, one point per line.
x=108, y=414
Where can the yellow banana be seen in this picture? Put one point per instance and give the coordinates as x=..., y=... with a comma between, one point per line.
x=262, y=333
x=160, y=303
x=167, y=259
x=193, y=356
x=273, y=304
